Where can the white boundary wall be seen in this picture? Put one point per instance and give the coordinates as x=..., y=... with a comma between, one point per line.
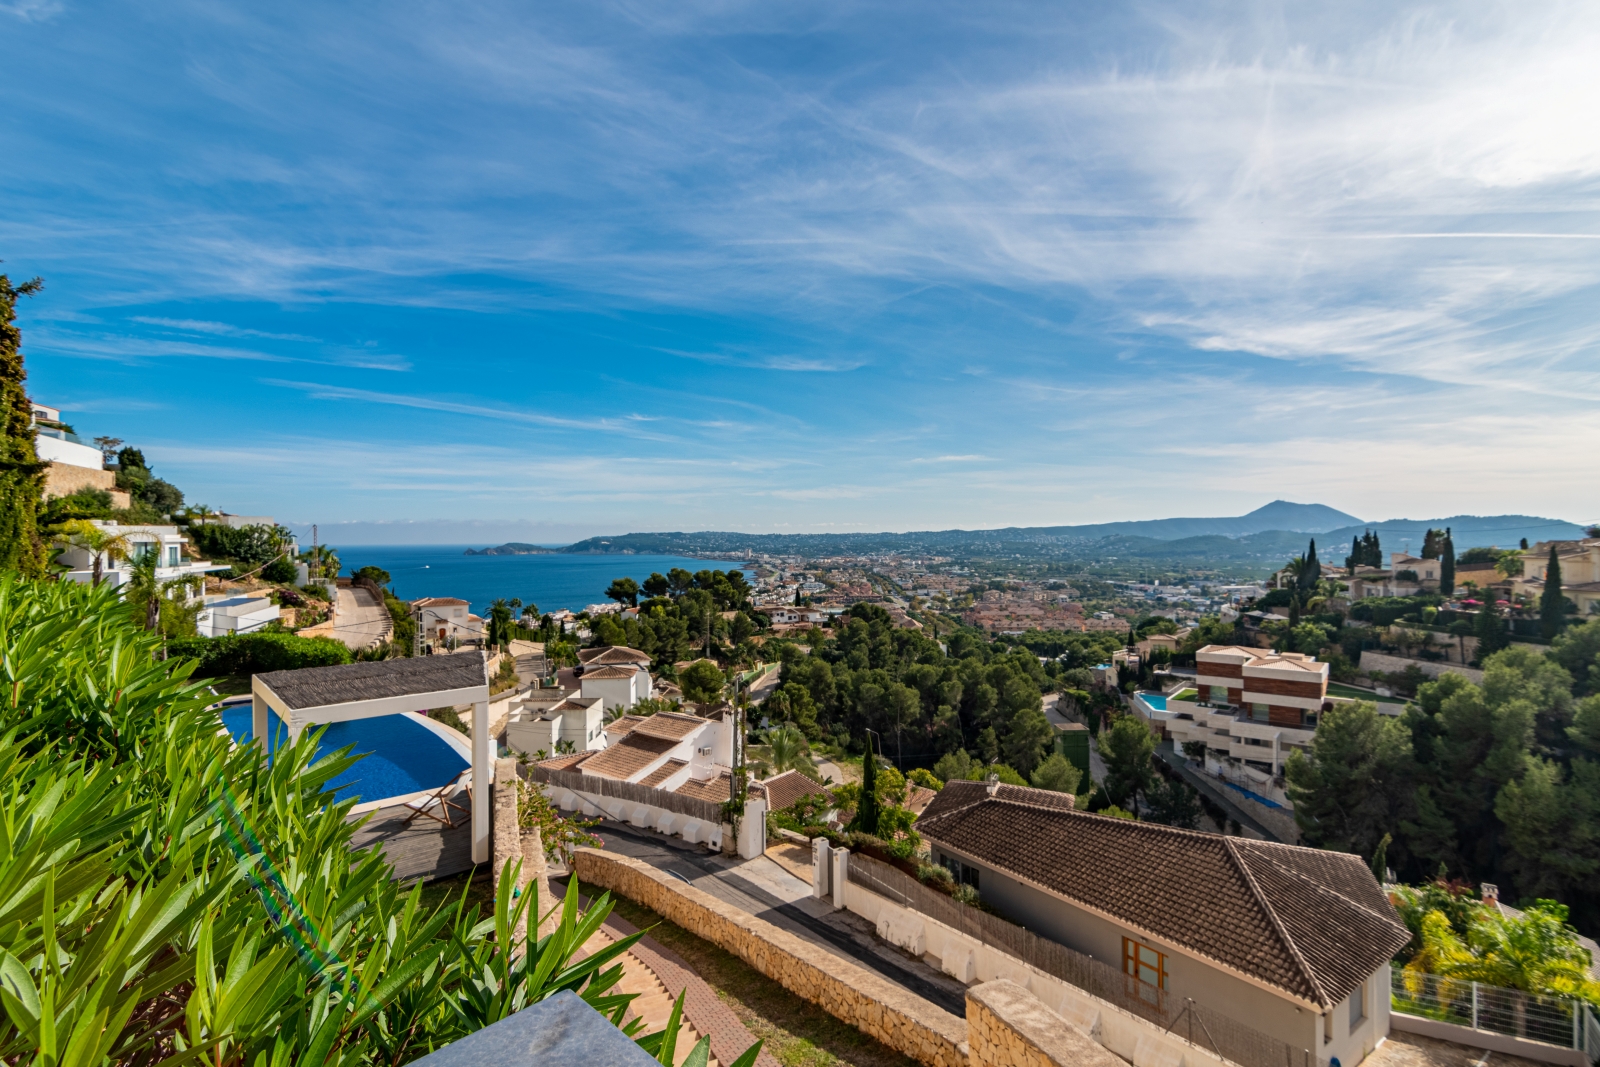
x=648, y=816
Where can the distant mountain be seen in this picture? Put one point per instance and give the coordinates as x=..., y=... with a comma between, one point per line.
x=1268, y=535
x=510, y=548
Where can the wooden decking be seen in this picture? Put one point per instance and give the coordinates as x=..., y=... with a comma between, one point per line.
x=425, y=849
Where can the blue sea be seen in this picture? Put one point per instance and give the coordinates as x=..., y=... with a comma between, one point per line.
x=551, y=581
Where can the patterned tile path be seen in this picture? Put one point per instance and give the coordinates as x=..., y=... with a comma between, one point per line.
x=703, y=1009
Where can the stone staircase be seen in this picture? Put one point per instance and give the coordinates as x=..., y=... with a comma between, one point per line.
x=654, y=1003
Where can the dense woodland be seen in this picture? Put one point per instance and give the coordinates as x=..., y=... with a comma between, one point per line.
x=1498, y=782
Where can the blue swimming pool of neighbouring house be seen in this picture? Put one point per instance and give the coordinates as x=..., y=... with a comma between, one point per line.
x=1158, y=701
x=400, y=754
x=1257, y=797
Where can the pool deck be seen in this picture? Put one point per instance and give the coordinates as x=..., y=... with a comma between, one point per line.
x=425, y=849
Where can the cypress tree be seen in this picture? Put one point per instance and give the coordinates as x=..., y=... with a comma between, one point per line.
x=21, y=473
x=1447, y=565
x=867, y=816
x=1374, y=551
x=1354, y=558
x=1311, y=573
x=1552, y=601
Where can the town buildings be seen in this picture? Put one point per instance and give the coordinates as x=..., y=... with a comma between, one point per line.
x=71, y=464
x=1580, y=572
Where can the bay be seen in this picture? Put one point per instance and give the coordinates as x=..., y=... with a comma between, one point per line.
x=551, y=581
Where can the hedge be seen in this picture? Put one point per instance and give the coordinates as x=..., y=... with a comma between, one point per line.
x=238, y=655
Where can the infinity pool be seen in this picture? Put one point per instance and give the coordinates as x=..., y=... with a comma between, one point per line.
x=1158, y=701
x=401, y=753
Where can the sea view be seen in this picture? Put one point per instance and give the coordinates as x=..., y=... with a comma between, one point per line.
x=551, y=581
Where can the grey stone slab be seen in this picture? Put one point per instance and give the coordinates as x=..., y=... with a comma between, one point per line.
x=560, y=1032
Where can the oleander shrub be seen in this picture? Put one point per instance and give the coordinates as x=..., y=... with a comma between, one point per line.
x=239, y=655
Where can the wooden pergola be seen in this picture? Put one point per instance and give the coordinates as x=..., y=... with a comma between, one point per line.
x=318, y=695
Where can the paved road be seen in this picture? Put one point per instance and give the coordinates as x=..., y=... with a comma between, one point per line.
x=362, y=619
x=764, y=889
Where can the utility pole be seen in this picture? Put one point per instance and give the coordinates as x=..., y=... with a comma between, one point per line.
x=316, y=559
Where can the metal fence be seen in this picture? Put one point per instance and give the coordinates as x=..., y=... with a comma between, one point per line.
x=1205, y=1027
x=705, y=810
x=1552, y=1020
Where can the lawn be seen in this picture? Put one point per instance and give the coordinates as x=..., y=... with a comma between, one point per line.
x=1186, y=694
x=1339, y=689
x=796, y=1032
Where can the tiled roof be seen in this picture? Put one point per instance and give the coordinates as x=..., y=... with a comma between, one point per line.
x=315, y=687
x=624, y=725
x=566, y=763
x=669, y=725
x=715, y=789
x=918, y=797
x=437, y=601
x=786, y=788
x=1311, y=923
x=663, y=772
x=612, y=654
x=627, y=757
x=608, y=672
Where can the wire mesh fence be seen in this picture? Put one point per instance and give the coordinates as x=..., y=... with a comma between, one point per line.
x=1205, y=1027
x=1552, y=1020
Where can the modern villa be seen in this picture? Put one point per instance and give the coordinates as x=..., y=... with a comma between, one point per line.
x=1254, y=705
x=165, y=543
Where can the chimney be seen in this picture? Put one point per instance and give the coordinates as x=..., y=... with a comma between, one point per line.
x=994, y=784
x=1491, y=893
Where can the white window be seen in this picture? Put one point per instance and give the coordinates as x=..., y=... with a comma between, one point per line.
x=1358, y=1007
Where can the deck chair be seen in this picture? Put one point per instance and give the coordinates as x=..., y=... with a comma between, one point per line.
x=437, y=805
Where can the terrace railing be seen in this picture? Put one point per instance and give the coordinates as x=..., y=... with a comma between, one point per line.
x=1560, y=1021
x=1203, y=1026
x=704, y=810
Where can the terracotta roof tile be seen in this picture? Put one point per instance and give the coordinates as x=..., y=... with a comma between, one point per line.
x=715, y=789
x=628, y=757
x=612, y=654
x=663, y=772
x=565, y=763
x=608, y=672
x=786, y=788
x=624, y=725
x=1311, y=923
x=669, y=725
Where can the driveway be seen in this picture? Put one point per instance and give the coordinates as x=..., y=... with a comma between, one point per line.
x=362, y=619
x=761, y=887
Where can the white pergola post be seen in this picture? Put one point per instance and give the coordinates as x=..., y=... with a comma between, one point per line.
x=260, y=714
x=482, y=774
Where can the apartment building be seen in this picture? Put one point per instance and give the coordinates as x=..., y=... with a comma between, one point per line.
x=1253, y=705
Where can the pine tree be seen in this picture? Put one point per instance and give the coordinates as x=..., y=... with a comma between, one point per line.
x=1447, y=565
x=1490, y=629
x=21, y=473
x=1432, y=544
x=1552, y=602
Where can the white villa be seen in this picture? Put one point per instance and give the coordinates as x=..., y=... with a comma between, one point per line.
x=618, y=676
x=442, y=619
x=164, y=542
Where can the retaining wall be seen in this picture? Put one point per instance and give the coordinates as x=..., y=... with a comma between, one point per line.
x=1007, y=1026
x=1379, y=661
x=877, y=1007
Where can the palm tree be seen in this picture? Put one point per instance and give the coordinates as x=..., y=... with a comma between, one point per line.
x=145, y=592
x=1537, y=953
x=102, y=546
x=201, y=512
x=322, y=560
x=787, y=749
x=500, y=617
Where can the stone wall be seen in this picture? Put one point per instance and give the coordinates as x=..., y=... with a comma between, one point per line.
x=1378, y=661
x=1007, y=1026
x=877, y=1007
x=64, y=479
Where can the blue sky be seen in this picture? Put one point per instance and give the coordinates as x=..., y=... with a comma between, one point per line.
x=458, y=272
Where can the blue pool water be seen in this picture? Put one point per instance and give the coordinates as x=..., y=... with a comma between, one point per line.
x=1257, y=797
x=400, y=755
x=1155, y=700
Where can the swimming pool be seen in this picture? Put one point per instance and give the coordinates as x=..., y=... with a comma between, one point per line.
x=401, y=753
x=1157, y=701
